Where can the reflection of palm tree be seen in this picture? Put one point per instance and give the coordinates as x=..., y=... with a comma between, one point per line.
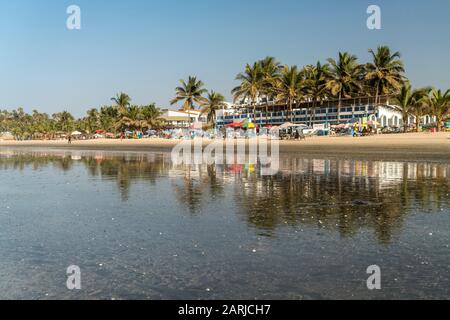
x=309, y=199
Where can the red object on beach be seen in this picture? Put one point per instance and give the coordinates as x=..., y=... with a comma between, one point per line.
x=100, y=131
x=235, y=125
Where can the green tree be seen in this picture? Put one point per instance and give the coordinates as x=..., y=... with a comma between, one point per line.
x=151, y=117
x=289, y=87
x=385, y=73
x=252, y=84
x=409, y=101
x=345, y=77
x=190, y=93
x=213, y=102
x=439, y=103
x=315, y=85
x=271, y=70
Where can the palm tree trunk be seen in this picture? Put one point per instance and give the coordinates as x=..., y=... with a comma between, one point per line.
x=339, y=108
x=312, y=114
x=254, y=110
x=377, y=92
x=291, y=111
x=189, y=118
x=417, y=123
x=405, y=122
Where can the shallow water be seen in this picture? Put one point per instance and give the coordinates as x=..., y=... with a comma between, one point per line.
x=140, y=228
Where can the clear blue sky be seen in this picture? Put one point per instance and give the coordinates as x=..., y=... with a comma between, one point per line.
x=143, y=47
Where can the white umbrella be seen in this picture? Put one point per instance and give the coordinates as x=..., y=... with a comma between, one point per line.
x=76, y=133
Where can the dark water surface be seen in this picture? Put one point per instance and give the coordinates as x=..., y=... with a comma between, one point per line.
x=140, y=228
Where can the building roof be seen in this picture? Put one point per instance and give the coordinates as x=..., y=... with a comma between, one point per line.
x=175, y=118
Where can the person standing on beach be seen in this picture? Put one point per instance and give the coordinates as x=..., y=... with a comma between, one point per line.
x=69, y=139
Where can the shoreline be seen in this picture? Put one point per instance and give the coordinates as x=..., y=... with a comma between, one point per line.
x=409, y=146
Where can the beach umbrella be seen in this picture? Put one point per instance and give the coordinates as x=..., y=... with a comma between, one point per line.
x=287, y=125
x=234, y=125
x=76, y=133
x=249, y=125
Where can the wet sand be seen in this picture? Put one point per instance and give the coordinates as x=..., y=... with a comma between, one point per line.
x=411, y=146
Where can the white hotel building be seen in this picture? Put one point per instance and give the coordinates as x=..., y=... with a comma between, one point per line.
x=326, y=112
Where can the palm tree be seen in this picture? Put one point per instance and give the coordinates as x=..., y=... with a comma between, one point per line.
x=92, y=120
x=64, y=121
x=122, y=101
x=190, y=92
x=345, y=77
x=404, y=103
x=130, y=118
x=315, y=85
x=420, y=107
x=214, y=102
x=151, y=117
x=271, y=70
x=108, y=117
x=439, y=103
x=385, y=73
x=251, y=86
x=410, y=102
x=289, y=87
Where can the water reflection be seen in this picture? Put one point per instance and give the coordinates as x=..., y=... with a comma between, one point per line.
x=346, y=196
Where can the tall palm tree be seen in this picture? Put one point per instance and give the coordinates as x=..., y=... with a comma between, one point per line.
x=315, y=85
x=289, y=87
x=122, y=101
x=151, y=117
x=251, y=86
x=64, y=121
x=439, y=103
x=191, y=93
x=385, y=73
x=92, y=120
x=130, y=118
x=271, y=70
x=108, y=118
x=420, y=107
x=345, y=77
x=409, y=102
x=213, y=102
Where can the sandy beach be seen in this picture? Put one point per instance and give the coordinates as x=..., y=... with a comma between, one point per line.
x=411, y=146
